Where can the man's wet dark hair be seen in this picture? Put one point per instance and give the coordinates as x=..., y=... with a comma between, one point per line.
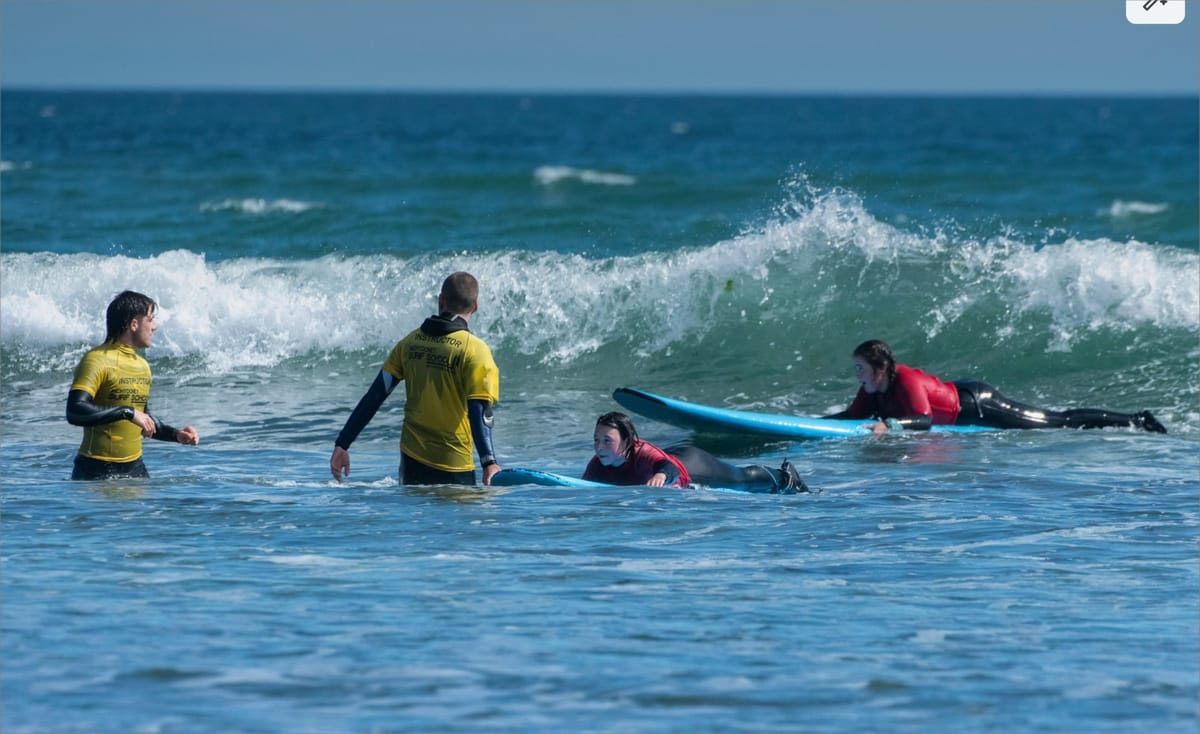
x=127, y=306
x=460, y=291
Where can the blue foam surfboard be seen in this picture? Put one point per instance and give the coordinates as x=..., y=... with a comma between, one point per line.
x=710, y=419
x=520, y=476
x=514, y=477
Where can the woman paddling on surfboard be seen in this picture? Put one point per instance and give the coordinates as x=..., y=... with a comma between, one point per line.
x=906, y=397
x=624, y=458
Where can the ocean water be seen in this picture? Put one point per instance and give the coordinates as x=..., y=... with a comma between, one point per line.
x=725, y=250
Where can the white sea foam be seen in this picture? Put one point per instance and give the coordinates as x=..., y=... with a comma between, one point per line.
x=1081, y=285
x=307, y=560
x=548, y=175
x=1098, y=284
x=930, y=637
x=259, y=206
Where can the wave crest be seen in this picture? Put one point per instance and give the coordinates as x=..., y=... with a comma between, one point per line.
x=821, y=273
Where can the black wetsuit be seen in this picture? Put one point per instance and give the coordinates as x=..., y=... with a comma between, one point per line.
x=414, y=472
x=980, y=404
x=88, y=468
x=704, y=468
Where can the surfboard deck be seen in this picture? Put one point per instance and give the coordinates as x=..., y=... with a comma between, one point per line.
x=519, y=476
x=711, y=419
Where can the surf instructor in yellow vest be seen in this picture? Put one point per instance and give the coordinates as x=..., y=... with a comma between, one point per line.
x=451, y=383
x=110, y=393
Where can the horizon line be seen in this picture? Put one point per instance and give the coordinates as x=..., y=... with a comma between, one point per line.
x=597, y=91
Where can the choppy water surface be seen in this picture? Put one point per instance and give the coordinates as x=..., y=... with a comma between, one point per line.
x=728, y=251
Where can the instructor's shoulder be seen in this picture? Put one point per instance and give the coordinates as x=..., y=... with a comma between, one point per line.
x=476, y=342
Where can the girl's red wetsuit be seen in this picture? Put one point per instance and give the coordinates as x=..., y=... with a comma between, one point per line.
x=919, y=400
x=643, y=462
x=912, y=393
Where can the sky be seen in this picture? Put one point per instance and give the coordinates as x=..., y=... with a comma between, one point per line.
x=651, y=46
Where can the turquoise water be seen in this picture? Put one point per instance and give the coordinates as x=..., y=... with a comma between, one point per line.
x=730, y=251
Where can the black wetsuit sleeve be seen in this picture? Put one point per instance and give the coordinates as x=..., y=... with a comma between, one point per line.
x=81, y=411
x=911, y=423
x=667, y=469
x=479, y=412
x=163, y=432
x=916, y=422
x=366, y=409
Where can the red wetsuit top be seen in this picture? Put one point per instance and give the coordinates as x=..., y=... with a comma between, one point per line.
x=643, y=462
x=913, y=392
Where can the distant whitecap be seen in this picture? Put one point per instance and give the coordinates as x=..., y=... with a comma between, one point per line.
x=259, y=206
x=1122, y=209
x=547, y=175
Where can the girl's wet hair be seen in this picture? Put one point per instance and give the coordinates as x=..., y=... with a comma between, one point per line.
x=878, y=355
x=624, y=426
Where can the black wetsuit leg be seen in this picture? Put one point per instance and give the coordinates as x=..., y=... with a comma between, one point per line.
x=414, y=472
x=88, y=468
x=983, y=405
x=704, y=468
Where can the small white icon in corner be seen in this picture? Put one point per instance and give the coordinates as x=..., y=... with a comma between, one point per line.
x=1167, y=12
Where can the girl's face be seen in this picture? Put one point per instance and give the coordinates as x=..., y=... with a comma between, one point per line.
x=872, y=380
x=610, y=449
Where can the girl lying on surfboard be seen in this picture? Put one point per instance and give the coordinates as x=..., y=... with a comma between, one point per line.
x=905, y=397
x=624, y=458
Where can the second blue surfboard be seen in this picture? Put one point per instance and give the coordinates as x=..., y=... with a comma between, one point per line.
x=711, y=419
